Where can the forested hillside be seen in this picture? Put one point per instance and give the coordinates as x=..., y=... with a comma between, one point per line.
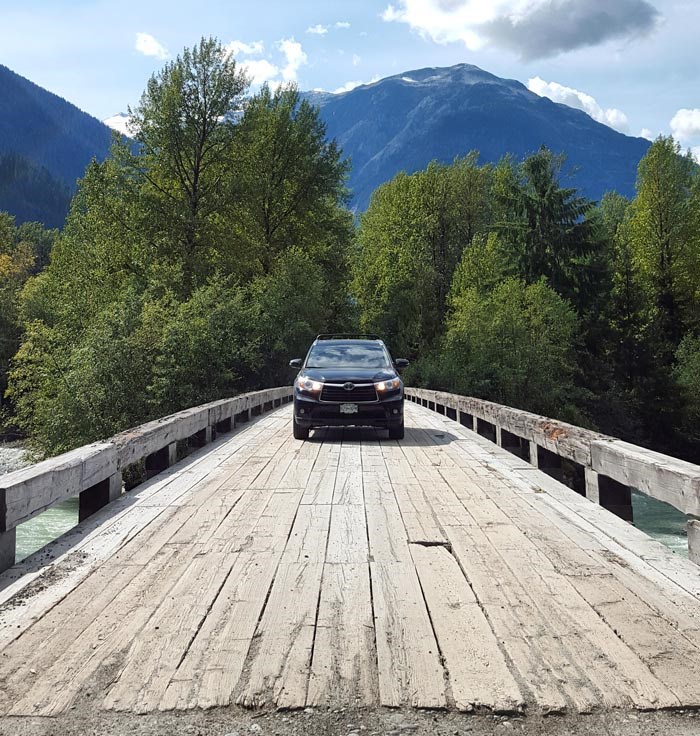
x=190, y=270
x=47, y=130
x=45, y=145
x=31, y=194
x=503, y=284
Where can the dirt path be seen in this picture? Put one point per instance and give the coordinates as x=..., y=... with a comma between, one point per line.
x=236, y=722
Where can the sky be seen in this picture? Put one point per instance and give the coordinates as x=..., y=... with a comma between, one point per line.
x=631, y=64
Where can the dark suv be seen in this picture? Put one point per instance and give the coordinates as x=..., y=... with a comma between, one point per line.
x=348, y=380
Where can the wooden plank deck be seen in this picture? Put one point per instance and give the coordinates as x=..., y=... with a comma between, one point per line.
x=349, y=570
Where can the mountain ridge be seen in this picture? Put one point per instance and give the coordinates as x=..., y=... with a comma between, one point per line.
x=402, y=122
x=49, y=142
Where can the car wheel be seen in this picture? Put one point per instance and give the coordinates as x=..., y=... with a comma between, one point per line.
x=396, y=432
x=300, y=433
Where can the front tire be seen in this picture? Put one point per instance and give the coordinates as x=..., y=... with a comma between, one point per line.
x=396, y=432
x=300, y=433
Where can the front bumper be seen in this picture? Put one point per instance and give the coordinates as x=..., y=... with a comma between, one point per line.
x=309, y=412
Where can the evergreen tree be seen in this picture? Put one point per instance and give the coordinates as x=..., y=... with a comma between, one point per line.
x=663, y=238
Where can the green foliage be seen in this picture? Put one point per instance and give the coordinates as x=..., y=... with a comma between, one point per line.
x=23, y=251
x=166, y=288
x=186, y=132
x=546, y=227
x=537, y=297
x=512, y=344
x=664, y=235
x=410, y=241
x=687, y=373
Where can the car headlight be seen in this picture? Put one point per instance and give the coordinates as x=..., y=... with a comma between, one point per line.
x=308, y=385
x=391, y=385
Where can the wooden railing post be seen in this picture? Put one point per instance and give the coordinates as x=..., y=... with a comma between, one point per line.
x=534, y=455
x=592, y=488
x=693, y=527
x=8, y=548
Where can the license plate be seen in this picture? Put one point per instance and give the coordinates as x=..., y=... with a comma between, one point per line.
x=348, y=408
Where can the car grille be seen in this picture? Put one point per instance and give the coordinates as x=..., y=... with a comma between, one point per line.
x=358, y=394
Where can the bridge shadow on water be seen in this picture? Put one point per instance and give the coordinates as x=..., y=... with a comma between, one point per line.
x=415, y=436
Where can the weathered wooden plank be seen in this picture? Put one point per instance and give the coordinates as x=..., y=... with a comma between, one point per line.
x=408, y=658
x=321, y=482
x=344, y=666
x=213, y=665
x=662, y=477
x=156, y=653
x=388, y=539
x=418, y=515
x=279, y=661
x=348, y=487
x=28, y=492
x=347, y=541
x=307, y=540
x=478, y=672
x=564, y=439
x=52, y=690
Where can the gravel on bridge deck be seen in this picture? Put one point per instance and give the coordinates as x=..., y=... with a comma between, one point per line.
x=350, y=571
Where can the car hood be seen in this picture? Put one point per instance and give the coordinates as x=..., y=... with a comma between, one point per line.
x=353, y=375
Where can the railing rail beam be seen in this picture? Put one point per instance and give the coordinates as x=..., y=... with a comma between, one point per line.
x=94, y=472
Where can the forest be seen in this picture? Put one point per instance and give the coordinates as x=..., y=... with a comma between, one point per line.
x=196, y=264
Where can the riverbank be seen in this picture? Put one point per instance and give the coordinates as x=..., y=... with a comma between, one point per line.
x=13, y=456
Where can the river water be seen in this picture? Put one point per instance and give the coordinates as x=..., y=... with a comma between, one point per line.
x=659, y=520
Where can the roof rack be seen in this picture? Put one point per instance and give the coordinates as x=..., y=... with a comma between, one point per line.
x=348, y=336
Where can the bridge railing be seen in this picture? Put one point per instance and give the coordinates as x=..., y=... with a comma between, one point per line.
x=96, y=472
x=603, y=468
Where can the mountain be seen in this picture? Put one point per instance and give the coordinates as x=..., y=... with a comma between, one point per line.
x=403, y=122
x=30, y=193
x=41, y=131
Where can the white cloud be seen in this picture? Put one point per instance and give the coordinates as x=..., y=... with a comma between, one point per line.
x=341, y=24
x=263, y=71
x=356, y=60
x=149, y=46
x=348, y=86
x=446, y=22
x=317, y=30
x=531, y=28
x=695, y=150
x=646, y=133
x=295, y=58
x=610, y=116
x=121, y=123
x=255, y=48
x=260, y=70
x=685, y=125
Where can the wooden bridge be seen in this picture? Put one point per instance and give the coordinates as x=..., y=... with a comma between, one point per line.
x=442, y=571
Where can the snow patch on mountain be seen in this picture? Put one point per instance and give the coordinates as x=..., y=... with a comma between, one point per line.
x=120, y=123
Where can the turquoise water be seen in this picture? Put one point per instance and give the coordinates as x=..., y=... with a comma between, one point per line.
x=661, y=521
x=46, y=527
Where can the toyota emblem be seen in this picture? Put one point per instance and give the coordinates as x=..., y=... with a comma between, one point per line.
x=348, y=386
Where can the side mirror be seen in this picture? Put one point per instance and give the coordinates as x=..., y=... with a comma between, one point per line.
x=401, y=363
x=296, y=363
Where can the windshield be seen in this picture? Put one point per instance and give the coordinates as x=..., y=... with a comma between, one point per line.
x=347, y=356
